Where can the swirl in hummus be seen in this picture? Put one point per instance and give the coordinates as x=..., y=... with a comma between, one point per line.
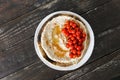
x=53, y=41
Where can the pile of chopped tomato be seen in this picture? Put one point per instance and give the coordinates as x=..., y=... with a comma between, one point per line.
x=75, y=38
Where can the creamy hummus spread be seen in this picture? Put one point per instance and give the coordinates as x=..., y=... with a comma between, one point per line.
x=53, y=41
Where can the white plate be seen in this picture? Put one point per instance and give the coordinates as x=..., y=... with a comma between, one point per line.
x=85, y=57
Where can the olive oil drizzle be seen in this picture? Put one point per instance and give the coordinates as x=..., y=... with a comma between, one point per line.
x=59, y=51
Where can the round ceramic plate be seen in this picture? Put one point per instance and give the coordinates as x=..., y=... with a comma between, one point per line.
x=87, y=54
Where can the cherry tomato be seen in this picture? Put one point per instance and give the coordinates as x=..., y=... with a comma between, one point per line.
x=75, y=36
x=72, y=31
x=71, y=23
x=78, y=55
x=70, y=43
x=78, y=52
x=67, y=26
x=74, y=25
x=78, y=48
x=71, y=55
x=75, y=41
x=68, y=22
x=82, y=47
x=72, y=38
x=84, y=35
x=71, y=47
x=66, y=33
x=80, y=41
x=78, y=33
x=74, y=51
x=74, y=56
x=67, y=45
x=63, y=30
x=78, y=37
x=77, y=29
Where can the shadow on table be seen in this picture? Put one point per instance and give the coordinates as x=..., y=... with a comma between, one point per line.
x=116, y=78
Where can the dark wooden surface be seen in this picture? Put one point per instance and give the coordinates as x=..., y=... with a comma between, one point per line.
x=19, y=20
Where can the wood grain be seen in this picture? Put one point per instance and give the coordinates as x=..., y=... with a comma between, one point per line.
x=105, y=44
x=11, y=9
x=104, y=72
x=17, y=58
x=16, y=36
x=89, y=66
x=36, y=68
x=86, y=69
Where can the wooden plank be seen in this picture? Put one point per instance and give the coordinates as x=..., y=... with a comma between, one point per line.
x=33, y=70
x=16, y=37
x=91, y=67
x=40, y=70
x=106, y=45
x=104, y=72
x=11, y=9
x=92, y=64
x=17, y=58
x=104, y=20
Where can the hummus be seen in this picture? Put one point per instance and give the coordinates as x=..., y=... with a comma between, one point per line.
x=53, y=41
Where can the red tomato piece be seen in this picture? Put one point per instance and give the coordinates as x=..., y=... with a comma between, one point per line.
x=63, y=30
x=67, y=45
x=71, y=55
x=74, y=25
x=66, y=33
x=78, y=55
x=77, y=29
x=78, y=37
x=72, y=38
x=74, y=56
x=74, y=51
x=72, y=31
x=78, y=48
x=74, y=35
x=78, y=52
x=75, y=41
x=78, y=33
x=80, y=41
x=68, y=22
x=71, y=23
x=84, y=35
x=71, y=47
x=67, y=26
x=70, y=43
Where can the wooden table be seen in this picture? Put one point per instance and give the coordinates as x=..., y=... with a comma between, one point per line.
x=19, y=20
